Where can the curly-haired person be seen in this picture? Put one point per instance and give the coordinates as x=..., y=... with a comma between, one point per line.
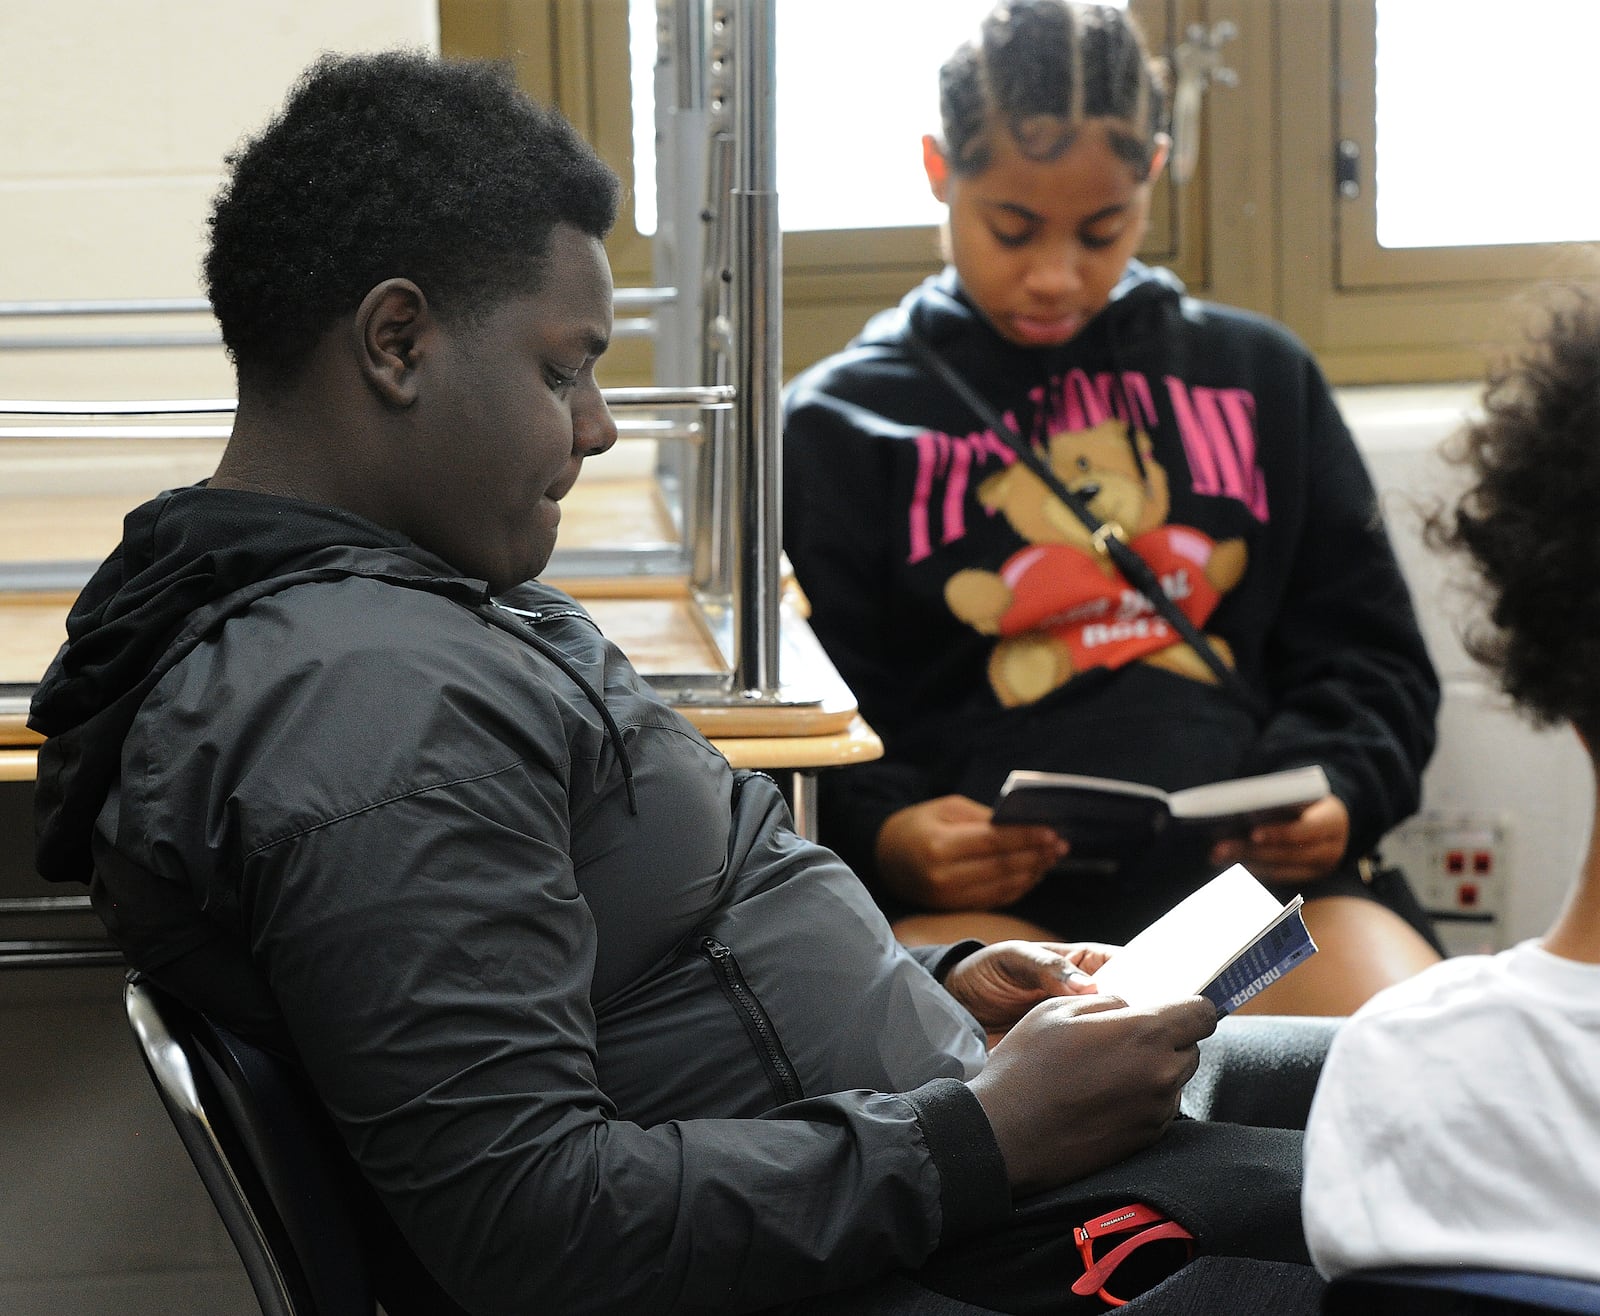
x=1454, y=1124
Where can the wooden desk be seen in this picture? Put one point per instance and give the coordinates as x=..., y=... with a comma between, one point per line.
x=64, y=502
x=664, y=636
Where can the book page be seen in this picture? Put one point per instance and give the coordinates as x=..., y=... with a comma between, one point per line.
x=1187, y=947
x=1024, y=779
x=1295, y=786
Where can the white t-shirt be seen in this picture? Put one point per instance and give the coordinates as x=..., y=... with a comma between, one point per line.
x=1457, y=1122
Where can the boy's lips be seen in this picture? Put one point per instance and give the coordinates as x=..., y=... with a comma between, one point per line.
x=563, y=485
x=1046, y=329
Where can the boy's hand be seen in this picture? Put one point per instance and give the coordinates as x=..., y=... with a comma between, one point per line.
x=1001, y=982
x=1083, y=1081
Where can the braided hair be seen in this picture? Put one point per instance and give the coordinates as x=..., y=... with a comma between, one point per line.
x=1037, y=70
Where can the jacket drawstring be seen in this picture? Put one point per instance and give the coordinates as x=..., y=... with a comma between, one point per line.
x=550, y=651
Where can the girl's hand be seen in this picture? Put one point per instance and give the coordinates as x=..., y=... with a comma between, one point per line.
x=1303, y=850
x=945, y=854
x=1002, y=982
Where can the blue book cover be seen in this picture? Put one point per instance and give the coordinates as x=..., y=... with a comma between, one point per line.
x=1283, y=945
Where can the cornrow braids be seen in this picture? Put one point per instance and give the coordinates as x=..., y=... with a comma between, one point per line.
x=1037, y=70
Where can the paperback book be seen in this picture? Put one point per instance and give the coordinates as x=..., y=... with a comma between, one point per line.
x=1227, y=941
x=1106, y=821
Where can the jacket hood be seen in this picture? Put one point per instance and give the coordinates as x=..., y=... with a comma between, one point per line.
x=941, y=312
x=188, y=559
x=181, y=551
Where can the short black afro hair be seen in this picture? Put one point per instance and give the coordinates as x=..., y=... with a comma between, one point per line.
x=1530, y=522
x=391, y=165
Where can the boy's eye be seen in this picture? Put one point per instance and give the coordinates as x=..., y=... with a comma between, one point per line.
x=1098, y=241
x=559, y=380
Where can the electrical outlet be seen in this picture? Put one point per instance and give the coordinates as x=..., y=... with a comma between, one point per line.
x=1458, y=866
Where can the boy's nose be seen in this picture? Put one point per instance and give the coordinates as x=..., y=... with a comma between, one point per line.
x=593, y=428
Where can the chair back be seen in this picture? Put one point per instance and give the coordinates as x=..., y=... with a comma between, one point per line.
x=251, y=1130
x=314, y=1239
x=1458, y=1291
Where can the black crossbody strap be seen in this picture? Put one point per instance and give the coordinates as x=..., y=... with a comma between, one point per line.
x=1107, y=538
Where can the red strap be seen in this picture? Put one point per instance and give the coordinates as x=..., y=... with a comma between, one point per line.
x=1120, y=1221
x=1097, y=1276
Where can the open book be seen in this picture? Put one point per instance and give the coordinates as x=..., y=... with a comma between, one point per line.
x=1226, y=942
x=1106, y=821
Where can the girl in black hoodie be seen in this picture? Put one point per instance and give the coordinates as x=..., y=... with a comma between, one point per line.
x=976, y=623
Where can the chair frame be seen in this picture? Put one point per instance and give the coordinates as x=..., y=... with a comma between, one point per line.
x=250, y=1129
x=1451, y=1289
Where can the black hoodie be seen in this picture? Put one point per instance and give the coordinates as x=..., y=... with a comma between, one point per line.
x=886, y=522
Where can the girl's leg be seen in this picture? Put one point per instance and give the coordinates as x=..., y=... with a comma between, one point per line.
x=986, y=926
x=1362, y=947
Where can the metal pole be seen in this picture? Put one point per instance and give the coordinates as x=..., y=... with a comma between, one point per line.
x=758, y=316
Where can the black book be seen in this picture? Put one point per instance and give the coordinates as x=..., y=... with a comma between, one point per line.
x=1106, y=821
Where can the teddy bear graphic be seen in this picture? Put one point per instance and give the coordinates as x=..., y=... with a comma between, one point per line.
x=1058, y=606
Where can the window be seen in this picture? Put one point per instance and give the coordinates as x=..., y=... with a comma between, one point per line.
x=1451, y=184
x=845, y=161
x=1381, y=287
x=1440, y=292
x=860, y=224
x=1456, y=167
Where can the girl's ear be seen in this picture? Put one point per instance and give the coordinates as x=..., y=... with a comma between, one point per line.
x=936, y=167
x=1158, y=160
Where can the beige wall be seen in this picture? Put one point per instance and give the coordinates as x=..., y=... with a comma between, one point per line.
x=114, y=118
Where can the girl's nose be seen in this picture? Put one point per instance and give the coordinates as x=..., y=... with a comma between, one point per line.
x=1056, y=270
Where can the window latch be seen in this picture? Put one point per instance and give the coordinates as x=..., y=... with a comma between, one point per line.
x=1347, y=168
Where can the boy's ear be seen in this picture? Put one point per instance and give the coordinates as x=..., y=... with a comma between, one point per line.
x=389, y=327
x=936, y=167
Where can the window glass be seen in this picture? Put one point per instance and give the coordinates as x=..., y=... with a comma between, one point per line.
x=857, y=88
x=1482, y=109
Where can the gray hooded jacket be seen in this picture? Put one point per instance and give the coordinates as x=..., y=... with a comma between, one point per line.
x=602, y=1031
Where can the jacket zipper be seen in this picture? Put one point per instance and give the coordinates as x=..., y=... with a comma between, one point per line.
x=780, y=1069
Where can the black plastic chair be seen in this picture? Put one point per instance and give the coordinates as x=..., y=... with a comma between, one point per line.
x=312, y=1235
x=1453, y=1291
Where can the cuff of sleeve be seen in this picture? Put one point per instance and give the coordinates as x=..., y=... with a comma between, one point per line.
x=1363, y=836
x=939, y=960
x=973, y=1189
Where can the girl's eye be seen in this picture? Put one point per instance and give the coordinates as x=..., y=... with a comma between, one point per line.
x=1098, y=241
x=1013, y=239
